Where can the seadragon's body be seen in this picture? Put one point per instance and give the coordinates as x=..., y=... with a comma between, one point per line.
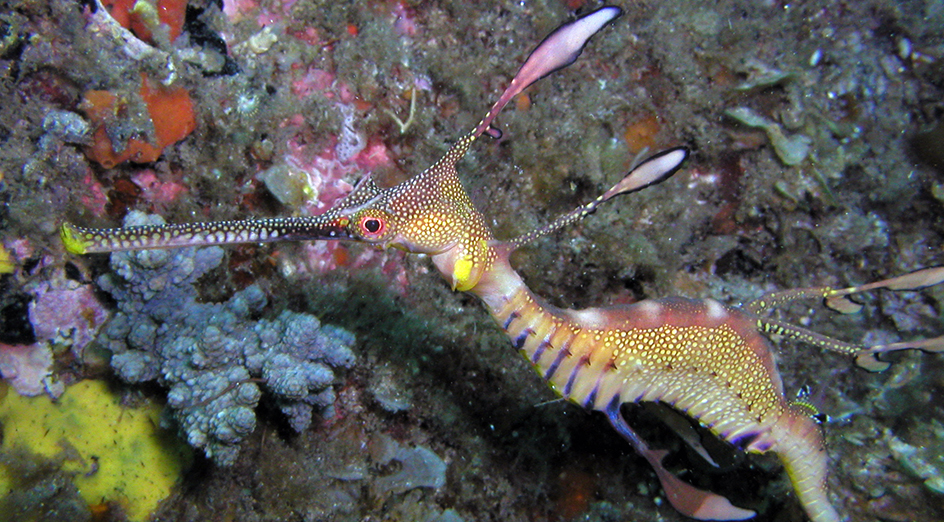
x=700, y=357
x=704, y=359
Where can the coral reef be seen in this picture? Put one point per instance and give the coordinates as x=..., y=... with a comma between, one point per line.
x=28, y=368
x=862, y=80
x=114, y=454
x=65, y=313
x=213, y=357
x=62, y=318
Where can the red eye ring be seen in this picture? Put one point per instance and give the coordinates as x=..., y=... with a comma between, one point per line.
x=372, y=226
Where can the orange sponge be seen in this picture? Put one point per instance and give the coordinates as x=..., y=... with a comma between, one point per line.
x=140, y=18
x=171, y=112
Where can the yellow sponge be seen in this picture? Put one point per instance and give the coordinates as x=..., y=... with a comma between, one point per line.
x=124, y=456
x=7, y=266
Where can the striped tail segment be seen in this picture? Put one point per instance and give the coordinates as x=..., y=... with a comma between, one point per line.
x=699, y=357
x=561, y=351
x=579, y=362
x=799, y=445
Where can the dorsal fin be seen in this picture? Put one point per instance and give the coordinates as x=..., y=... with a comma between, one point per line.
x=365, y=190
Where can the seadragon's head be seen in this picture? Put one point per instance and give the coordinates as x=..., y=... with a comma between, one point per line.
x=430, y=213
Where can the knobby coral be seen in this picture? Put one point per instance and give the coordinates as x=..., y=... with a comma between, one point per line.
x=211, y=355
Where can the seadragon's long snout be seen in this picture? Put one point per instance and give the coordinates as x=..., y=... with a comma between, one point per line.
x=80, y=240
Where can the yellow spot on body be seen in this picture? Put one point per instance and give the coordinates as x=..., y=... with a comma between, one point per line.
x=462, y=274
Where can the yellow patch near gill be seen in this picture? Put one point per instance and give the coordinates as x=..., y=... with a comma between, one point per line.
x=462, y=274
x=468, y=269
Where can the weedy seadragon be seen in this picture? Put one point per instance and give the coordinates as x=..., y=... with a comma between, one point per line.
x=706, y=360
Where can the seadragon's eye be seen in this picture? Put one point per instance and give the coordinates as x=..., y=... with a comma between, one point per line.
x=372, y=226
